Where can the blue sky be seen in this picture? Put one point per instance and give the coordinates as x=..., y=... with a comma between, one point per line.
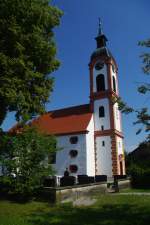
x=124, y=23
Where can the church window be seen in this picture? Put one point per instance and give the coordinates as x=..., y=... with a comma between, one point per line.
x=103, y=143
x=73, y=153
x=73, y=168
x=114, y=84
x=100, y=82
x=74, y=140
x=101, y=111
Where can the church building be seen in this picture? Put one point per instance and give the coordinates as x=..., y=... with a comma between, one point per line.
x=90, y=136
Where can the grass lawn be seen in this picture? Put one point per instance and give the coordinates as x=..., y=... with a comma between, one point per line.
x=109, y=210
x=130, y=190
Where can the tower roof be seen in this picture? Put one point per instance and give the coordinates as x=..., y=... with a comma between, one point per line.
x=104, y=51
x=101, y=49
x=101, y=38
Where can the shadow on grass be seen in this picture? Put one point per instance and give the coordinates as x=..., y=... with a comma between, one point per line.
x=108, y=214
x=22, y=199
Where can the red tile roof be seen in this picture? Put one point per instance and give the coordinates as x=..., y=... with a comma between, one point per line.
x=65, y=121
x=61, y=122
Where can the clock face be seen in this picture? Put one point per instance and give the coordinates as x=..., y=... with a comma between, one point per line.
x=99, y=65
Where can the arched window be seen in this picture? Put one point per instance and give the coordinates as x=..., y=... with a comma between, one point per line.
x=114, y=84
x=100, y=82
x=101, y=111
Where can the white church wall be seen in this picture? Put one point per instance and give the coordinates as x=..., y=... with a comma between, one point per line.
x=120, y=145
x=97, y=72
x=90, y=149
x=103, y=121
x=117, y=118
x=104, y=157
x=113, y=73
x=63, y=158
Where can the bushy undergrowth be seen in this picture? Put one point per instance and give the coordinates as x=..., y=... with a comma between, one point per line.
x=24, y=158
x=140, y=177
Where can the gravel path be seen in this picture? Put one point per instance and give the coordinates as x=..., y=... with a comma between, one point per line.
x=85, y=201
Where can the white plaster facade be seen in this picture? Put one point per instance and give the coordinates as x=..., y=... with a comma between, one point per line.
x=63, y=159
x=104, y=121
x=85, y=159
x=104, y=157
x=120, y=146
x=90, y=150
x=117, y=117
x=114, y=74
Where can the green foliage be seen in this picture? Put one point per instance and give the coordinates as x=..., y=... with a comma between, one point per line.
x=24, y=157
x=109, y=210
x=122, y=106
x=143, y=89
x=140, y=177
x=138, y=166
x=145, y=57
x=27, y=56
x=143, y=116
x=139, y=157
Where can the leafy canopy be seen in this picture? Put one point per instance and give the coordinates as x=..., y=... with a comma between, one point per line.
x=27, y=56
x=143, y=114
x=25, y=159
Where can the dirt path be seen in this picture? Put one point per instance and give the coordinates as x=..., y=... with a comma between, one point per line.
x=85, y=201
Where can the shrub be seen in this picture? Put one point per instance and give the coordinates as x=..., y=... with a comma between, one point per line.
x=24, y=157
x=49, y=182
x=140, y=178
x=85, y=179
x=67, y=181
x=119, y=177
x=100, y=178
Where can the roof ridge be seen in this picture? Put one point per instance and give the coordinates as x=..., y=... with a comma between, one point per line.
x=71, y=107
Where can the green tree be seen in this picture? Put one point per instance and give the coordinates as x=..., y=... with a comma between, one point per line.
x=143, y=115
x=27, y=56
x=25, y=159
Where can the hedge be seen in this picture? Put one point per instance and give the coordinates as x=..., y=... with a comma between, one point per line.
x=140, y=178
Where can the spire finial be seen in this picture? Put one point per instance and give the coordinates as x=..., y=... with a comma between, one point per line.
x=100, y=32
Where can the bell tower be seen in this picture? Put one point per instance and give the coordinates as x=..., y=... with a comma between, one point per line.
x=109, y=153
